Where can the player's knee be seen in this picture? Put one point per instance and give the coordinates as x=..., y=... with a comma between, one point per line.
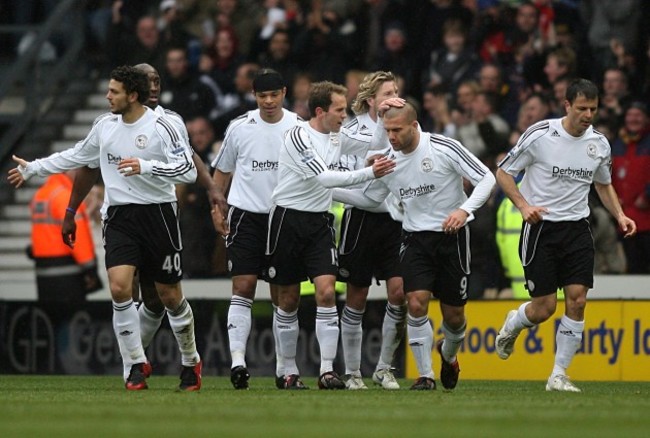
x=325, y=297
x=120, y=290
x=170, y=295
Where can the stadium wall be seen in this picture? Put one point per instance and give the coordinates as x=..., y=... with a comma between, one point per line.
x=63, y=339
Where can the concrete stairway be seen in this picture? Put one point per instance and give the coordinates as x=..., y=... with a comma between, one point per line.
x=68, y=121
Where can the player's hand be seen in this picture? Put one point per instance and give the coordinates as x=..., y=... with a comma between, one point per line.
x=15, y=177
x=129, y=167
x=371, y=159
x=383, y=166
x=69, y=229
x=532, y=214
x=215, y=197
x=396, y=102
x=220, y=221
x=627, y=225
x=455, y=221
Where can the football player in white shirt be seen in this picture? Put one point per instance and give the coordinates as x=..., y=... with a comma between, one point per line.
x=141, y=156
x=434, y=255
x=301, y=242
x=369, y=246
x=249, y=157
x=152, y=311
x=561, y=159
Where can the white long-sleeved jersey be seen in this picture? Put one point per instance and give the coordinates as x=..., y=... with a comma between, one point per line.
x=306, y=169
x=428, y=183
x=362, y=130
x=164, y=155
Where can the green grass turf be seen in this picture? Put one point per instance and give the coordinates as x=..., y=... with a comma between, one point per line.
x=89, y=406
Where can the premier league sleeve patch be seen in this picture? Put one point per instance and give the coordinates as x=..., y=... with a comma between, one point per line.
x=306, y=155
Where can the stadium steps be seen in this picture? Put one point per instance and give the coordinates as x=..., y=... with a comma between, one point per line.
x=67, y=121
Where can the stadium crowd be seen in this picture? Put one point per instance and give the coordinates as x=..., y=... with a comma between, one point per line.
x=479, y=71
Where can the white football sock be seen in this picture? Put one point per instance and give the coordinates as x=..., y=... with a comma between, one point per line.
x=126, y=325
x=327, y=334
x=239, y=328
x=286, y=325
x=453, y=341
x=568, y=339
x=392, y=331
x=149, y=324
x=520, y=321
x=351, y=337
x=279, y=360
x=420, y=334
x=181, y=321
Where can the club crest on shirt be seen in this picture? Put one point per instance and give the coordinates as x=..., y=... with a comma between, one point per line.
x=591, y=150
x=141, y=141
x=426, y=165
x=306, y=155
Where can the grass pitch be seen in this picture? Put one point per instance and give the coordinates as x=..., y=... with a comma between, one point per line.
x=98, y=406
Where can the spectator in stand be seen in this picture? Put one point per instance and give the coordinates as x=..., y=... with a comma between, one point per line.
x=559, y=62
x=455, y=62
x=559, y=93
x=615, y=98
x=241, y=101
x=143, y=46
x=222, y=58
x=608, y=24
x=461, y=113
x=272, y=19
x=535, y=108
x=353, y=78
x=511, y=33
x=300, y=101
x=278, y=57
x=173, y=32
x=199, y=236
x=241, y=16
x=436, y=117
x=186, y=92
x=486, y=135
x=327, y=46
x=395, y=57
x=490, y=78
x=631, y=179
x=429, y=19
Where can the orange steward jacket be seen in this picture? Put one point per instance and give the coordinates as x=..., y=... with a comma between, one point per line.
x=48, y=210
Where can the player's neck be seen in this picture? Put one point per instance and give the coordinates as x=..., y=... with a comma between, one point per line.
x=275, y=118
x=414, y=144
x=317, y=126
x=373, y=114
x=572, y=131
x=134, y=113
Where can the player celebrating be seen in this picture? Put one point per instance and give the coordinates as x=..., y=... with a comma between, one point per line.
x=141, y=156
x=561, y=159
x=434, y=255
x=250, y=150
